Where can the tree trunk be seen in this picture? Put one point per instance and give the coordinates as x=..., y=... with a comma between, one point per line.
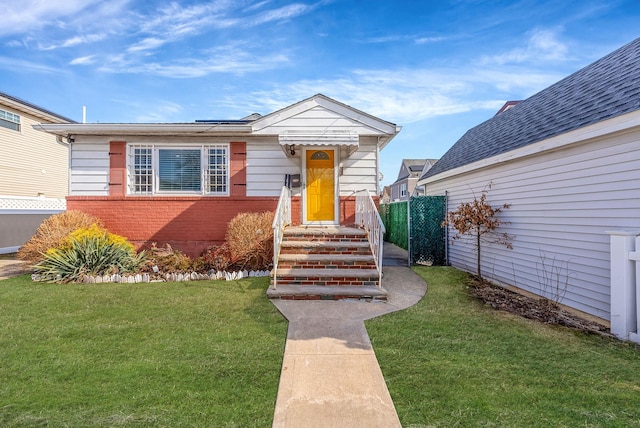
x=478, y=247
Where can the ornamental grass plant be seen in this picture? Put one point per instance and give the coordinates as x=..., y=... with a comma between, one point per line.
x=53, y=231
x=88, y=251
x=250, y=240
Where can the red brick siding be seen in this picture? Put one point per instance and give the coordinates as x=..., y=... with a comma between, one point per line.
x=190, y=224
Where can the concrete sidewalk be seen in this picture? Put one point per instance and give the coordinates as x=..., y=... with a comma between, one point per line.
x=330, y=375
x=13, y=267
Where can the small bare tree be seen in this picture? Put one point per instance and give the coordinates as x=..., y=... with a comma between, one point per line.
x=478, y=219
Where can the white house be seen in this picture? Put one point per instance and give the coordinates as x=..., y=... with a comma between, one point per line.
x=181, y=183
x=568, y=161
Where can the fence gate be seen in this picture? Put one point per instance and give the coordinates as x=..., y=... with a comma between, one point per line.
x=427, y=237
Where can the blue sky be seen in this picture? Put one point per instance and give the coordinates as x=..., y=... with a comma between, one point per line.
x=437, y=68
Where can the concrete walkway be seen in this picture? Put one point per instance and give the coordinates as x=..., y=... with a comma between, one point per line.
x=330, y=375
x=13, y=267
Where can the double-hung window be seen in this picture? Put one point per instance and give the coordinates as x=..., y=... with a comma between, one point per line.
x=191, y=170
x=9, y=120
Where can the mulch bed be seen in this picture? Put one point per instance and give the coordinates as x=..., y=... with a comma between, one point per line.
x=539, y=309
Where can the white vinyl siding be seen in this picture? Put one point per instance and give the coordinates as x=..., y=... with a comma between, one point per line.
x=318, y=119
x=359, y=170
x=32, y=162
x=562, y=205
x=267, y=165
x=89, y=175
x=9, y=120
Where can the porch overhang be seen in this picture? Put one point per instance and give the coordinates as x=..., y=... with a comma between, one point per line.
x=329, y=138
x=289, y=140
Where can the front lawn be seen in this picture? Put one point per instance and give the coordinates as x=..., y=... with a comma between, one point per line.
x=204, y=353
x=449, y=361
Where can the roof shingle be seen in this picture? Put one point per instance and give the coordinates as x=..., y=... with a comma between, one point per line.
x=607, y=88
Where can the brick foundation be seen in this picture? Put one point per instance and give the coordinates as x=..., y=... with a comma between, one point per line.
x=189, y=224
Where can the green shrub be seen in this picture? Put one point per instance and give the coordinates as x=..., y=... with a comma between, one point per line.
x=88, y=251
x=250, y=240
x=52, y=232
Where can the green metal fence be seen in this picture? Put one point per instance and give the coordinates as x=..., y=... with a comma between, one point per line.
x=416, y=226
x=428, y=240
x=394, y=217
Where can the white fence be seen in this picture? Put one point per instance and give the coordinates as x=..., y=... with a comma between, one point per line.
x=21, y=216
x=625, y=285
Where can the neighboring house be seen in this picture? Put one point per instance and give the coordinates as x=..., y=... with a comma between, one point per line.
x=402, y=188
x=419, y=189
x=507, y=106
x=385, y=198
x=181, y=183
x=567, y=159
x=33, y=170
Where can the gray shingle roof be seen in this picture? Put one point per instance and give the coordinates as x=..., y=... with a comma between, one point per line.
x=607, y=88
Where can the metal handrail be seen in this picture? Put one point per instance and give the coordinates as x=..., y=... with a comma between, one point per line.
x=281, y=219
x=369, y=219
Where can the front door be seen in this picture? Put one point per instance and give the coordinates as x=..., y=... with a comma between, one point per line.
x=320, y=205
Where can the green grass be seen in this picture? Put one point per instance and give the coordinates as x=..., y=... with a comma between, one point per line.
x=451, y=362
x=162, y=355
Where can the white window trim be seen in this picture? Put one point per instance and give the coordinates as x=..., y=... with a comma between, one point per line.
x=10, y=118
x=155, y=164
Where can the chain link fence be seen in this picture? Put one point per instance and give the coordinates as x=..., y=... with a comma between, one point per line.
x=428, y=239
x=416, y=226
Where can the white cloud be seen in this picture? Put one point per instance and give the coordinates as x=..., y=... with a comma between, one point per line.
x=26, y=15
x=542, y=45
x=146, y=44
x=228, y=59
x=73, y=41
x=423, y=40
x=159, y=112
x=406, y=96
x=283, y=13
x=83, y=60
x=26, y=66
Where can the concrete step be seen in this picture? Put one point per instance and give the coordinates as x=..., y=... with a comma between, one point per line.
x=328, y=277
x=310, y=292
x=325, y=247
x=322, y=234
x=327, y=261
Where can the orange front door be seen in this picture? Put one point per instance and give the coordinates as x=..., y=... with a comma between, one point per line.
x=320, y=179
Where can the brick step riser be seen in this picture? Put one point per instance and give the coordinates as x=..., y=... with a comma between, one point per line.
x=325, y=265
x=341, y=281
x=341, y=297
x=327, y=251
x=315, y=238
